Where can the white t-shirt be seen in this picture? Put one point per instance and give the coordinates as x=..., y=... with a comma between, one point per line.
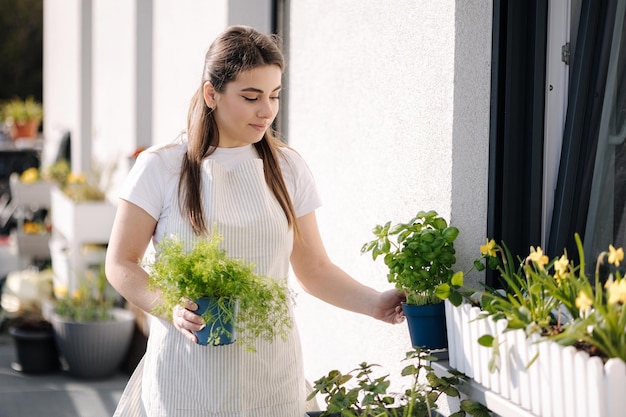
x=153, y=180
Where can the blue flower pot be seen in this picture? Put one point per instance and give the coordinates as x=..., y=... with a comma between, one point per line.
x=220, y=327
x=427, y=325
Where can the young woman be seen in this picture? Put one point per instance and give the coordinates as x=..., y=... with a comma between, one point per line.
x=230, y=170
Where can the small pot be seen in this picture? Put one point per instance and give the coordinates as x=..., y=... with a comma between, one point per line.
x=25, y=130
x=221, y=330
x=35, y=349
x=427, y=325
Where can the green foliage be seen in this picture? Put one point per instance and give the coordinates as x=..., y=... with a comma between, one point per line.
x=57, y=172
x=77, y=186
x=525, y=304
x=207, y=271
x=420, y=255
x=90, y=302
x=556, y=299
x=20, y=111
x=21, y=48
x=360, y=393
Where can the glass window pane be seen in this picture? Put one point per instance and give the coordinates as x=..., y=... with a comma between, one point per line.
x=606, y=222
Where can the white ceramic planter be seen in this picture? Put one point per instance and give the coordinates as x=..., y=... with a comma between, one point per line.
x=85, y=222
x=36, y=194
x=561, y=382
x=74, y=225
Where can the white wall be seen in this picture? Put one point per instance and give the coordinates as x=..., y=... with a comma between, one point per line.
x=114, y=79
x=388, y=103
x=183, y=31
x=62, y=71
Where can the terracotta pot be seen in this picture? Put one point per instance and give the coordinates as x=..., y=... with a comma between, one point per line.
x=26, y=130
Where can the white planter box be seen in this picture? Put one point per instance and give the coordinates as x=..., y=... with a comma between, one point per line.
x=33, y=245
x=75, y=225
x=85, y=222
x=562, y=382
x=36, y=194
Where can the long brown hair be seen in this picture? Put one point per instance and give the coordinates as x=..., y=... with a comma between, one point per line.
x=238, y=49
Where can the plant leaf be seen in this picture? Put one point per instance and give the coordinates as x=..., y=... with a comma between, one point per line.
x=486, y=340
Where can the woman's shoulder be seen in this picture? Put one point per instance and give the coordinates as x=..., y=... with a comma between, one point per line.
x=168, y=150
x=291, y=157
x=164, y=156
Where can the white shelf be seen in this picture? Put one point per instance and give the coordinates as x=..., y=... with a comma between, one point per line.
x=29, y=196
x=74, y=225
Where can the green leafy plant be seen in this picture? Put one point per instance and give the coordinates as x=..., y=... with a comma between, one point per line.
x=420, y=255
x=525, y=304
x=360, y=393
x=57, y=172
x=206, y=270
x=77, y=186
x=90, y=302
x=20, y=111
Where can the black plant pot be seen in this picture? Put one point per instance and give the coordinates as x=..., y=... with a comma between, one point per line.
x=35, y=348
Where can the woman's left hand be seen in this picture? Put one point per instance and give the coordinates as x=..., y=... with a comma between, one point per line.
x=389, y=307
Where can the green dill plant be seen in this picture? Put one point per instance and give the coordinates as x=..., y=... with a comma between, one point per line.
x=205, y=270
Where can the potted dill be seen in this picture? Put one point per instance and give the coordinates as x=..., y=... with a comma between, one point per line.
x=419, y=255
x=237, y=305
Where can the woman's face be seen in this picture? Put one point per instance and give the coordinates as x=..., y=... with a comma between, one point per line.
x=247, y=106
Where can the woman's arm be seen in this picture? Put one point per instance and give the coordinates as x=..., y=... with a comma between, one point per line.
x=326, y=281
x=132, y=230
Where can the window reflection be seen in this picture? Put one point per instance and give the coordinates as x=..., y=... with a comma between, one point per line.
x=606, y=223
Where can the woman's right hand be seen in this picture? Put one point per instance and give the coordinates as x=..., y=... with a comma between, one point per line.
x=185, y=320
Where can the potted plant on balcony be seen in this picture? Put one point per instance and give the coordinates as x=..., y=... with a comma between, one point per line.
x=238, y=305
x=76, y=200
x=360, y=393
x=23, y=117
x=22, y=297
x=92, y=333
x=551, y=326
x=30, y=194
x=419, y=255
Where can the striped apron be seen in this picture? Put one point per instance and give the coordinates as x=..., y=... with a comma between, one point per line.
x=178, y=378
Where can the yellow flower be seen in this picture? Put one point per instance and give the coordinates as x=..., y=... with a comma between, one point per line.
x=560, y=267
x=616, y=291
x=30, y=175
x=77, y=295
x=537, y=256
x=489, y=248
x=76, y=178
x=60, y=291
x=583, y=302
x=615, y=255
